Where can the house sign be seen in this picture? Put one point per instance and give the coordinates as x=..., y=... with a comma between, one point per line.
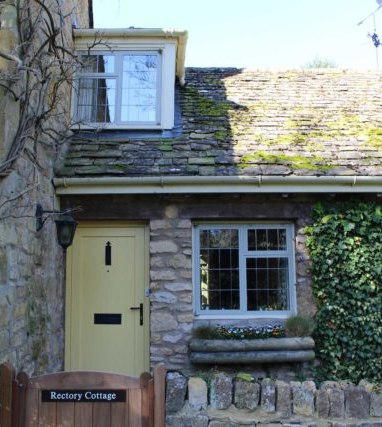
x=86, y=396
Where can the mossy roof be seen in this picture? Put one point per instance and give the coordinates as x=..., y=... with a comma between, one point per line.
x=242, y=122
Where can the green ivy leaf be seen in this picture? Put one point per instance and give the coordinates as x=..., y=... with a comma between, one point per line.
x=345, y=245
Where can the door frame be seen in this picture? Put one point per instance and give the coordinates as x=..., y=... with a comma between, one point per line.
x=68, y=286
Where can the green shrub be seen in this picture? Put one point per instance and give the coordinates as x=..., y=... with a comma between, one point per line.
x=299, y=326
x=345, y=244
x=205, y=332
x=244, y=376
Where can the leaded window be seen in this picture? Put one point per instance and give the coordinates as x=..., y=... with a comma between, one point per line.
x=244, y=269
x=120, y=88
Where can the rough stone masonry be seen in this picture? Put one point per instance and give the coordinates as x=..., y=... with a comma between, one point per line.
x=224, y=401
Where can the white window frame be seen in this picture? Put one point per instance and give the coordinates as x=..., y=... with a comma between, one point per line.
x=244, y=253
x=165, y=82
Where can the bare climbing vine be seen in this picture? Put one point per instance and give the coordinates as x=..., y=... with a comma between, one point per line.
x=36, y=77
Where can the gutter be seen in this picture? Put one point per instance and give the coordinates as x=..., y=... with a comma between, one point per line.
x=218, y=185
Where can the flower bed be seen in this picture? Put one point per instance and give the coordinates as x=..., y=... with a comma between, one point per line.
x=249, y=332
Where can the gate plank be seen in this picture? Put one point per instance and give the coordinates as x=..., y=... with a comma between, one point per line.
x=47, y=413
x=7, y=375
x=65, y=414
x=31, y=412
x=101, y=414
x=118, y=414
x=145, y=379
x=135, y=408
x=83, y=414
x=159, y=394
x=127, y=408
x=19, y=407
x=150, y=404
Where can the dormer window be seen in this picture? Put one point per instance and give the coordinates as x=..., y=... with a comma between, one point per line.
x=120, y=89
x=127, y=82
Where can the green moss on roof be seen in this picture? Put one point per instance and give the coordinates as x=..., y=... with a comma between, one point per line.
x=203, y=105
x=165, y=145
x=374, y=136
x=293, y=161
x=222, y=135
x=346, y=123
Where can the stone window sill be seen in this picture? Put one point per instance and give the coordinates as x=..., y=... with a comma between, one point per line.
x=269, y=350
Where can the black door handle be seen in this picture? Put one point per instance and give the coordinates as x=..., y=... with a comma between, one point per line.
x=140, y=308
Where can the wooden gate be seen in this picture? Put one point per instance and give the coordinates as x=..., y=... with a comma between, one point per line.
x=79, y=399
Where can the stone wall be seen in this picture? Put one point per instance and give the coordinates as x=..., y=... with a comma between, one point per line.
x=224, y=401
x=172, y=317
x=31, y=263
x=81, y=8
x=9, y=111
x=171, y=286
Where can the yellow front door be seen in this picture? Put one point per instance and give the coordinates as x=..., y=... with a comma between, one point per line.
x=107, y=309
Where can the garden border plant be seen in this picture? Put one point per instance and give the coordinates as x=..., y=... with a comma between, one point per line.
x=295, y=326
x=345, y=245
x=222, y=332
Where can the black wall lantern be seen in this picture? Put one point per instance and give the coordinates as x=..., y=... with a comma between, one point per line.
x=65, y=224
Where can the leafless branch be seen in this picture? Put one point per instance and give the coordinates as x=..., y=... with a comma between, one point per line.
x=13, y=58
x=40, y=80
x=44, y=69
x=20, y=194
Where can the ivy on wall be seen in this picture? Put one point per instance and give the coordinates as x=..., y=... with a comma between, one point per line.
x=345, y=244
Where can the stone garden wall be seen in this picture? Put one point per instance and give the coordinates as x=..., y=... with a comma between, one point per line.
x=224, y=401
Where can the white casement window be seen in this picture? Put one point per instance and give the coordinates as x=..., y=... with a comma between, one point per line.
x=244, y=270
x=119, y=88
x=127, y=78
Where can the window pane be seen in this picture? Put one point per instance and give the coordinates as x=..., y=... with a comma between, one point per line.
x=272, y=239
x=219, y=269
x=267, y=284
x=203, y=236
x=136, y=113
x=139, y=88
x=96, y=100
x=98, y=64
x=225, y=257
x=224, y=300
x=235, y=259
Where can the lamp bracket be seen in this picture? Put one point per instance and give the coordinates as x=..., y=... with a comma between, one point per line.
x=40, y=212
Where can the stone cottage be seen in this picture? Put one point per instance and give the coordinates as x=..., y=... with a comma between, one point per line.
x=191, y=187
x=193, y=201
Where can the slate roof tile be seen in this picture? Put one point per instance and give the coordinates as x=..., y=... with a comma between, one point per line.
x=242, y=122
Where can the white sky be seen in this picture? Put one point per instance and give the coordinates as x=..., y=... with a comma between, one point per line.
x=257, y=33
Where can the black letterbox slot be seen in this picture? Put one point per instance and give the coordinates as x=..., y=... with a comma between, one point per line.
x=107, y=319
